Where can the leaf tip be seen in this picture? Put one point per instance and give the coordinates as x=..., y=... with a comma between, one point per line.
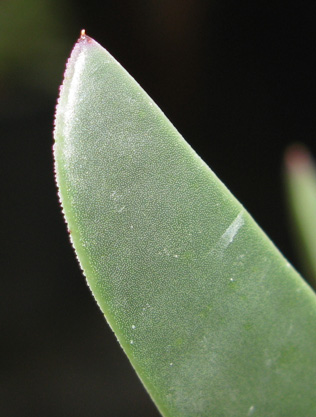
x=84, y=38
x=83, y=34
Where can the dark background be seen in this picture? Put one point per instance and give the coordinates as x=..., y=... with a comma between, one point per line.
x=237, y=78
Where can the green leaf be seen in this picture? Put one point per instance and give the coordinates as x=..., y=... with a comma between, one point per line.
x=301, y=192
x=212, y=317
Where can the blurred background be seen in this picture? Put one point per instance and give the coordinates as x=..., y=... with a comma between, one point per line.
x=236, y=78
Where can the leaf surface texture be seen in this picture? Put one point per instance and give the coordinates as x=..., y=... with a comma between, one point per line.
x=212, y=317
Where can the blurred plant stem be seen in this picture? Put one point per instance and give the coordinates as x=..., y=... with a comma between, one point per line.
x=300, y=177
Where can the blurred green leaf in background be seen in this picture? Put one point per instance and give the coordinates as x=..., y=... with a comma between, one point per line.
x=33, y=43
x=32, y=37
x=300, y=176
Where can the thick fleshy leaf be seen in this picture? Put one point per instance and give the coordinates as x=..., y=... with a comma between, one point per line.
x=301, y=191
x=212, y=317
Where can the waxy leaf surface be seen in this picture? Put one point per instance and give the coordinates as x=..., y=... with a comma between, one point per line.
x=212, y=317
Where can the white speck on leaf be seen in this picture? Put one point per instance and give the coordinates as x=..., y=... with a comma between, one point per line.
x=251, y=410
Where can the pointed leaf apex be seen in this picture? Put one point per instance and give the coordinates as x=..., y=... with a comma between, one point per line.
x=84, y=38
